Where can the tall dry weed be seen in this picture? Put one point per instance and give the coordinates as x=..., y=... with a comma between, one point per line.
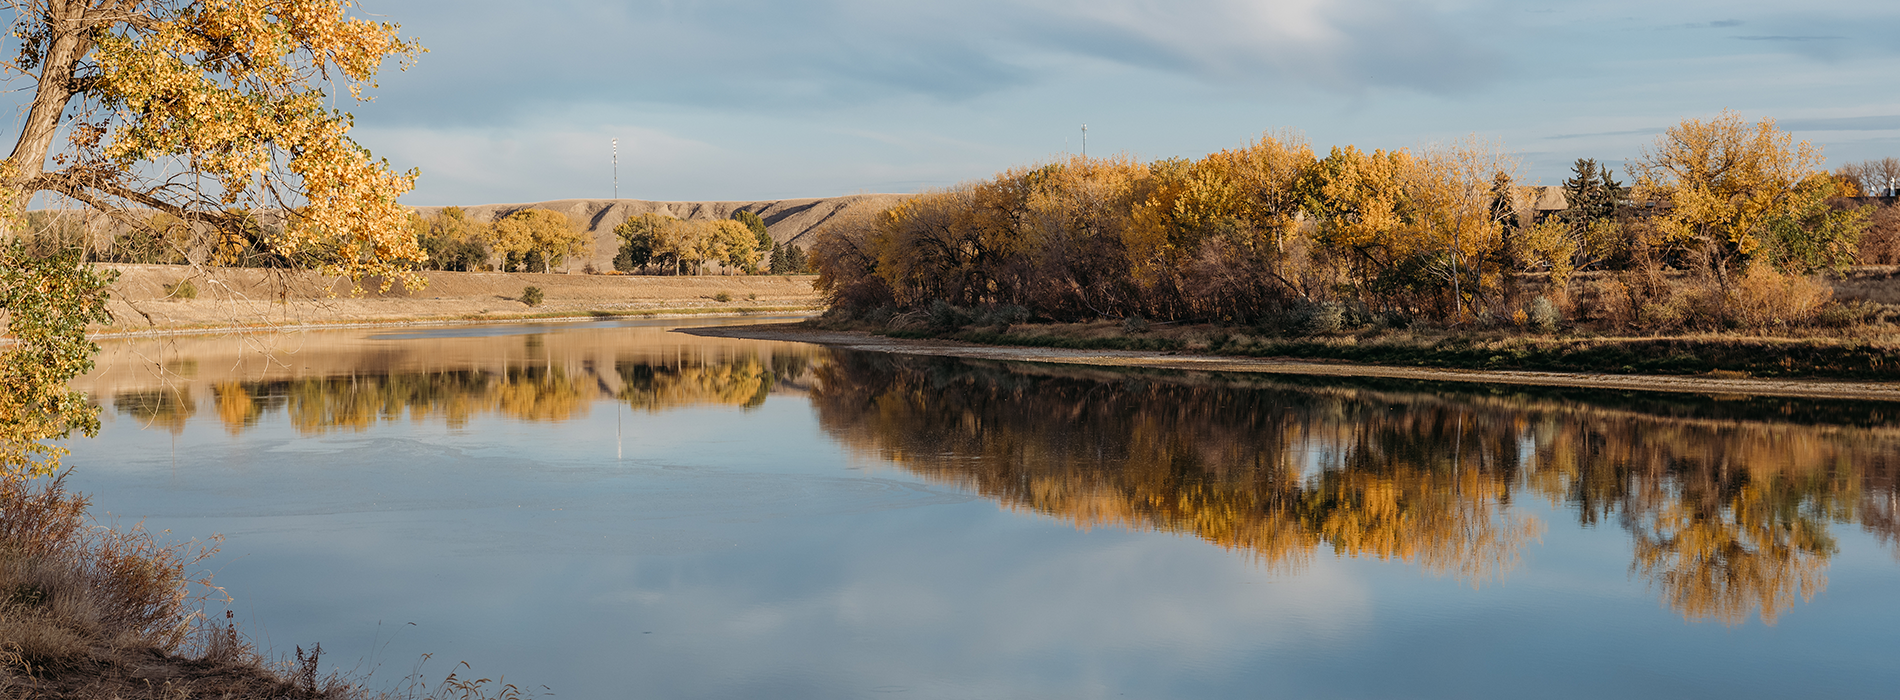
x=68, y=588
x=1763, y=298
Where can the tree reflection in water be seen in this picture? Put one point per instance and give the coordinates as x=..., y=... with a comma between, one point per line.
x=545, y=393
x=743, y=381
x=167, y=407
x=1728, y=501
x=1729, y=513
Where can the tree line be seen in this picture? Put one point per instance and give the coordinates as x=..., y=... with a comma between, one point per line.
x=656, y=242
x=529, y=240
x=1722, y=224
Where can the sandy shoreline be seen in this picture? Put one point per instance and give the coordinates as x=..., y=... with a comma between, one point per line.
x=251, y=300
x=857, y=340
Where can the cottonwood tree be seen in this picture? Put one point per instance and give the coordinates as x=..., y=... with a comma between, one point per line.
x=540, y=236
x=733, y=244
x=1722, y=182
x=199, y=110
x=452, y=240
x=637, y=236
x=194, y=107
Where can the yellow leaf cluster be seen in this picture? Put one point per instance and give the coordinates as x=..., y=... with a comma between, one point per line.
x=235, y=88
x=1723, y=179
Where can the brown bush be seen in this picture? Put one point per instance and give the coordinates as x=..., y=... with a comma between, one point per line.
x=68, y=591
x=1646, y=298
x=1880, y=243
x=1763, y=298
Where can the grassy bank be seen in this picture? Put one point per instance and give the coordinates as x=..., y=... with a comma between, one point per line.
x=1868, y=356
x=94, y=612
x=150, y=298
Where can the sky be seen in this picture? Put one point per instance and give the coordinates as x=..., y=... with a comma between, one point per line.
x=773, y=99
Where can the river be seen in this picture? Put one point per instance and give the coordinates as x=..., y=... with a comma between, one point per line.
x=611, y=509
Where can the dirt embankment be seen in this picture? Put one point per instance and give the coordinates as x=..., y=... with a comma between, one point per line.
x=150, y=298
x=1187, y=361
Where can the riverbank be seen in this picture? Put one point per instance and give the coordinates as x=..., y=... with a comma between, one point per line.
x=1192, y=361
x=169, y=299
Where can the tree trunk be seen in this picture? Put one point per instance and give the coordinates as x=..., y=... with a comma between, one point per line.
x=42, y=120
x=56, y=88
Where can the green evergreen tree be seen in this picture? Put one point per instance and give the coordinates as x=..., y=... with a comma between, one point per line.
x=761, y=237
x=795, y=260
x=1503, y=209
x=1580, y=189
x=779, y=265
x=1593, y=194
x=1611, y=194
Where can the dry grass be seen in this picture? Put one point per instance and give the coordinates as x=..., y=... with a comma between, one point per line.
x=76, y=596
x=259, y=298
x=89, y=612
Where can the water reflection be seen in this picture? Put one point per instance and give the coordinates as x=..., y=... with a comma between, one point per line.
x=740, y=381
x=1728, y=502
x=350, y=383
x=1730, y=517
x=167, y=407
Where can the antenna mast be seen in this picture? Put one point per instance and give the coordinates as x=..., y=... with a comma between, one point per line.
x=616, y=168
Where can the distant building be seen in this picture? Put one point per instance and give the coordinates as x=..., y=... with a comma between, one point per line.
x=1535, y=204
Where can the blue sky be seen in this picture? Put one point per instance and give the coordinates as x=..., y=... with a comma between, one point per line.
x=756, y=99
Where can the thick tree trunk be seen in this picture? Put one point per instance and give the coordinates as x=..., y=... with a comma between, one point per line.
x=56, y=88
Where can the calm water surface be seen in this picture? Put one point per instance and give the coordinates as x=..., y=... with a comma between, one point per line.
x=614, y=510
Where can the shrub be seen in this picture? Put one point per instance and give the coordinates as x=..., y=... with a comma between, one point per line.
x=722, y=297
x=1763, y=298
x=1323, y=318
x=945, y=316
x=1135, y=324
x=1003, y=315
x=1543, y=314
x=1848, y=313
x=1880, y=243
x=880, y=316
x=182, y=289
x=70, y=589
x=532, y=296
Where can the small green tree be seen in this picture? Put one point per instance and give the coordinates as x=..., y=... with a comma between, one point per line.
x=760, y=236
x=1813, y=234
x=778, y=265
x=49, y=300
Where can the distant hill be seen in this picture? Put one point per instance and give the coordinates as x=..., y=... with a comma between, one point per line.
x=786, y=219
